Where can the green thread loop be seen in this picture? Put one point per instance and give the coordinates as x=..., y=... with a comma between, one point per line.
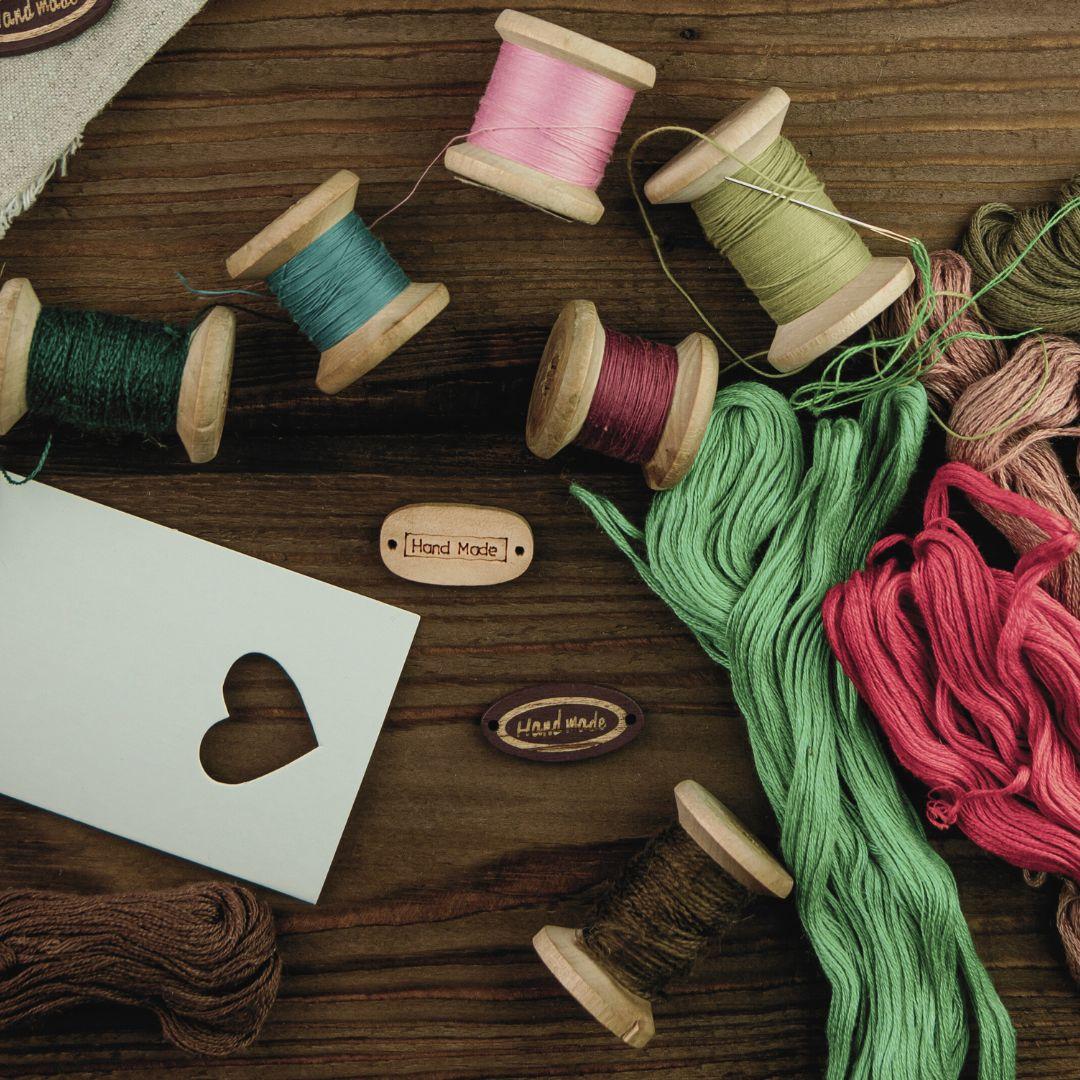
x=790, y=258
x=338, y=282
x=743, y=551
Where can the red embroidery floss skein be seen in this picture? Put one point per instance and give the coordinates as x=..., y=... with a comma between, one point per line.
x=974, y=675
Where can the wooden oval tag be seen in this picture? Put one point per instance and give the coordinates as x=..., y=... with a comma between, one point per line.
x=456, y=544
x=562, y=722
x=29, y=25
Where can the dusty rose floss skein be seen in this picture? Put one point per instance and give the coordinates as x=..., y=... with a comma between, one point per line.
x=1005, y=408
x=202, y=958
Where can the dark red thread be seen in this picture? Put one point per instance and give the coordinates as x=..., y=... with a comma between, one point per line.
x=633, y=398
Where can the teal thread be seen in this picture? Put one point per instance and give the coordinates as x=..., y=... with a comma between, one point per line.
x=743, y=551
x=338, y=282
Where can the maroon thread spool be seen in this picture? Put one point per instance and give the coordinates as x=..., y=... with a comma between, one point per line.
x=625, y=397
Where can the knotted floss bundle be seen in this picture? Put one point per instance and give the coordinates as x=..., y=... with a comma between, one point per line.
x=203, y=958
x=974, y=675
x=1001, y=410
x=1044, y=292
x=744, y=551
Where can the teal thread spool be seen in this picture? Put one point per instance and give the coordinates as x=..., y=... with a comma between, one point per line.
x=827, y=320
x=340, y=285
x=201, y=386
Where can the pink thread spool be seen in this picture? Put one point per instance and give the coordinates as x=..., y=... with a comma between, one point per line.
x=550, y=116
x=575, y=397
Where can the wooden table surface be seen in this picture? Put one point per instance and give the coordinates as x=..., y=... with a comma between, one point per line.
x=417, y=961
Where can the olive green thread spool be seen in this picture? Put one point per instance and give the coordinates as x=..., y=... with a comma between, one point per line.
x=598, y=985
x=298, y=228
x=746, y=134
x=204, y=385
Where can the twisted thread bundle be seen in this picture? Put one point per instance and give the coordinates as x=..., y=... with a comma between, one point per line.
x=1003, y=410
x=202, y=958
x=105, y=373
x=744, y=551
x=791, y=259
x=338, y=282
x=655, y=920
x=551, y=115
x=1043, y=292
x=632, y=399
x=974, y=674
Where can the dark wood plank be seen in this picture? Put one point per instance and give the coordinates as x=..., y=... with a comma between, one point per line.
x=417, y=961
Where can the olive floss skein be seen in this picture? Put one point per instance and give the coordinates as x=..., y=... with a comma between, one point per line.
x=1044, y=292
x=744, y=551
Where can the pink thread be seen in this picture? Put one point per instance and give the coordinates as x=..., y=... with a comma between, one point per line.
x=633, y=398
x=974, y=674
x=550, y=115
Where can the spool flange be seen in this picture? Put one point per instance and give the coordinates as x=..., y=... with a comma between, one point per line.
x=699, y=168
x=477, y=165
x=566, y=383
x=204, y=385
x=716, y=830
x=299, y=227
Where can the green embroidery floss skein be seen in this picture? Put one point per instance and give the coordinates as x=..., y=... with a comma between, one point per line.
x=810, y=270
x=338, y=282
x=743, y=551
x=113, y=375
x=1044, y=291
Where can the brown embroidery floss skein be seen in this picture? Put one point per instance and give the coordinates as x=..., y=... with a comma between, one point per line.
x=691, y=882
x=203, y=958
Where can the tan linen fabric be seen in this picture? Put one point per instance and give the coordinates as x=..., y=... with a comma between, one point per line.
x=48, y=97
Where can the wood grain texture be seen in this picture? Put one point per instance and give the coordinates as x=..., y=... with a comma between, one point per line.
x=417, y=962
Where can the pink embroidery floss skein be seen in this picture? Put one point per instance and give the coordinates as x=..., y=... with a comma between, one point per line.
x=623, y=396
x=974, y=676
x=1003, y=409
x=549, y=119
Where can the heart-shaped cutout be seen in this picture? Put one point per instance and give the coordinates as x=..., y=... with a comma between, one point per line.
x=267, y=726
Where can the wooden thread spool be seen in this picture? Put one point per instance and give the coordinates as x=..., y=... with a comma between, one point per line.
x=748, y=132
x=566, y=384
x=594, y=985
x=481, y=166
x=296, y=229
x=204, y=387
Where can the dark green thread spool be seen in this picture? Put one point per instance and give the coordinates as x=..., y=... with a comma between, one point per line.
x=203, y=391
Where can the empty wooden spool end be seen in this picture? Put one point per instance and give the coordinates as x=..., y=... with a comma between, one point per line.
x=716, y=830
x=566, y=383
x=478, y=165
x=746, y=134
x=299, y=227
x=204, y=385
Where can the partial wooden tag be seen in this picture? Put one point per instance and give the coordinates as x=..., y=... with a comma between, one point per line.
x=456, y=544
x=29, y=25
x=562, y=722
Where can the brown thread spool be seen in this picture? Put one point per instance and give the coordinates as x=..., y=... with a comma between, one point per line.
x=299, y=227
x=204, y=387
x=595, y=981
x=748, y=132
x=566, y=384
